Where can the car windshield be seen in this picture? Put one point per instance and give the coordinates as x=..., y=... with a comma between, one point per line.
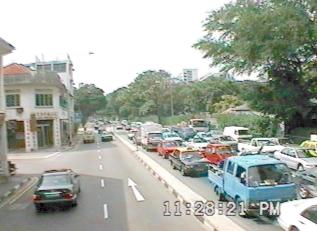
x=224, y=150
x=243, y=132
x=188, y=131
x=199, y=123
x=190, y=156
x=155, y=135
x=198, y=140
x=269, y=175
x=269, y=142
x=226, y=138
x=303, y=153
x=171, y=135
x=51, y=180
x=170, y=144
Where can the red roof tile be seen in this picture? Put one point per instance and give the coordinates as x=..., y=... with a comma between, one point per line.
x=15, y=69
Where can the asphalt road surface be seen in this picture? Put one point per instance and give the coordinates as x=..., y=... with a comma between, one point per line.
x=105, y=203
x=202, y=186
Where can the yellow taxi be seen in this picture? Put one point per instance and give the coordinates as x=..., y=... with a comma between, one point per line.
x=311, y=145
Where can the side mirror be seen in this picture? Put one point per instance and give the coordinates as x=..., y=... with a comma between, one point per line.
x=76, y=175
x=243, y=178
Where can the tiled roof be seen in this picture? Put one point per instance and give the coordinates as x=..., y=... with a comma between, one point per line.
x=15, y=69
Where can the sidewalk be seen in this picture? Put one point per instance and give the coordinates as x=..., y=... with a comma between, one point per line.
x=13, y=184
x=42, y=153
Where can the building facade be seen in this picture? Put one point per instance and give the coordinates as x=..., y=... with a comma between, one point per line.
x=36, y=107
x=64, y=68
x=190, y=75
x=5, y=48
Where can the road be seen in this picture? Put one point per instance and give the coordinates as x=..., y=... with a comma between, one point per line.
x=106, y=201
x=202, y=186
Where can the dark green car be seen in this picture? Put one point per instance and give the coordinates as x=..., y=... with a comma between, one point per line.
x=57, y=187
x=106, y=137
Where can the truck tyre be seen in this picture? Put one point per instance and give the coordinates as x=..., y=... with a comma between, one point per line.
x=183, y=171
x=173, y=165
x=293, y=228
x=221, y=196
x=300, y=168
x=247, y=214
x=303, y=193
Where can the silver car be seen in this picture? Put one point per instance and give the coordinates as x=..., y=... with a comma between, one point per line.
x=296, y=158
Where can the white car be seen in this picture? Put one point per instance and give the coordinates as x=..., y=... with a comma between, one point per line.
x=299, y=215
x=296, y=158
x=171, y=136
x=197, y=143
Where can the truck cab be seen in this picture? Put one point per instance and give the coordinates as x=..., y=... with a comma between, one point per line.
x=237, y=133
x=252, y=180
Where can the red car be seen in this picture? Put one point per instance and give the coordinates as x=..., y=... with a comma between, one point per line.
x=166, y=147
x=216, y=153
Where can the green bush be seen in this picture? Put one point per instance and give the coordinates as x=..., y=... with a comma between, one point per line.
x=173, y=120
x=259, y=125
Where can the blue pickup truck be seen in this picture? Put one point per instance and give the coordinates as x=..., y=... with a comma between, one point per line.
x=251, y=180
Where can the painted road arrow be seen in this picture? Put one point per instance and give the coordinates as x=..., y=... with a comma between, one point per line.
x=137, y=194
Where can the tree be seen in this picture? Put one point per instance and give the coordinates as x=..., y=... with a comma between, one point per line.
x=88, y=100
x=276, y=39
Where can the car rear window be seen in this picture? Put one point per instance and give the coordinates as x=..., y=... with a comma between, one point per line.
x=51, y=180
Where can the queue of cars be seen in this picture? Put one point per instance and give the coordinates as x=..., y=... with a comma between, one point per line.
x=248, y=172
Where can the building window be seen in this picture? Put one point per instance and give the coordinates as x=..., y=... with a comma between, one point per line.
x=59, y=67
x=44, y=67
x=63, y=101
x=13, y=100
x=44, y=99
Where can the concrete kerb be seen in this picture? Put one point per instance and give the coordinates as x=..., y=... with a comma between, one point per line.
x=182, y=192
x=14, y=189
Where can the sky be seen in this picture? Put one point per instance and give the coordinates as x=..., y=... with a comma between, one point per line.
x=127, y=37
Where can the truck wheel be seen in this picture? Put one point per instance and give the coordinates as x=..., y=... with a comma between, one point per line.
x=173, y=166
x=220, y=195
x=183, y=171
x=300, y=168
x=246, y=213
x=293, y=228
x=303, y=193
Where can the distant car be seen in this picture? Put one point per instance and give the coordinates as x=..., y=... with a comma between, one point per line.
x=57, y=187
x=197, y=143
x=296, y=158
x=185, y=133
x=132, y=133
x=217, y=153
x=166, y=147
x=128, y=127
x=106, y=136
x=307, y=183
x=80, y=131
x=312, y=145
x=189, y=161
x=299, y=215
x=119, y=127
x=171, y=136
x=222, y=139
x=89, y=137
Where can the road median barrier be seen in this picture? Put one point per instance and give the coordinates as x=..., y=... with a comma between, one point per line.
x=182, y=192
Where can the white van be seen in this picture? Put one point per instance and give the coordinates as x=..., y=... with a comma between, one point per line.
x=237, y=133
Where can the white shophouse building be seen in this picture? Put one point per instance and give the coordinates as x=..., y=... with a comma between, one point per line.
x=36, y=108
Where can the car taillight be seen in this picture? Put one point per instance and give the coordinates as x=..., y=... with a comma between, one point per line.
x=36, y=197
x=68, y=195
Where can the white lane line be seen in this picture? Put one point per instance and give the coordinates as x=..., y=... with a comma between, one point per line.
x=100, y=167
x=105, y=210
x=99, y=157
x=102, y=181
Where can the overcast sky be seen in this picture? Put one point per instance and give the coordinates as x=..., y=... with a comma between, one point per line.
x=127, y=36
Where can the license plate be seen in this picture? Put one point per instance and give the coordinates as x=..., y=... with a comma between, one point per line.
x=52, y=195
